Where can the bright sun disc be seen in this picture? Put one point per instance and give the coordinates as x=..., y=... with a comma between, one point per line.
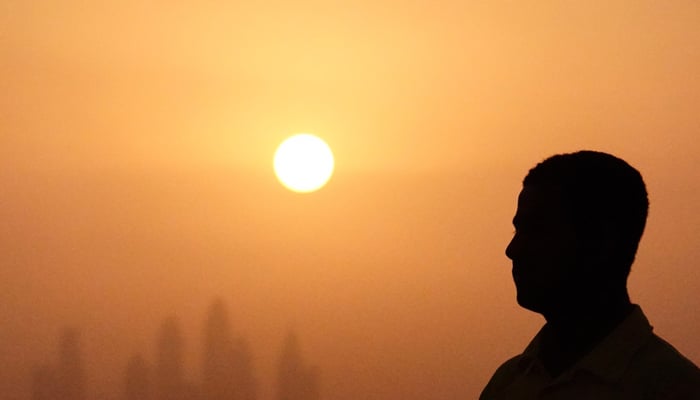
x=303, y=163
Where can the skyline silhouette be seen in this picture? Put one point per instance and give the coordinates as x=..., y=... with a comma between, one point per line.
x=227, y=370
x=65, y=379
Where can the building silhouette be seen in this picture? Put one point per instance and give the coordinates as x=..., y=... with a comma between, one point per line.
x=169, y=376
x=70, y=372
x=43, y=383
x=227, y=367
x=246, y=385
x=137, y=379
x=64, y=380
x=295, y=380
x=217, y=371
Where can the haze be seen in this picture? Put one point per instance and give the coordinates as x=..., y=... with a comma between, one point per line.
x=136, y=182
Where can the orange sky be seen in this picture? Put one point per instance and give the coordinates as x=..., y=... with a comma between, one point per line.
x=136, y=143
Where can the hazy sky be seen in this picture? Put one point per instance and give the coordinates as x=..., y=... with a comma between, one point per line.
x=136, y=143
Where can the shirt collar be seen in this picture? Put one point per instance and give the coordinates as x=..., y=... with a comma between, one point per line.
x=610, y=358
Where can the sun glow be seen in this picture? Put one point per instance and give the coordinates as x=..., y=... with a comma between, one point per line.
x=303, y=163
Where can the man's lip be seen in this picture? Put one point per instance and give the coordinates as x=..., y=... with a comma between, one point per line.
x=517, y=270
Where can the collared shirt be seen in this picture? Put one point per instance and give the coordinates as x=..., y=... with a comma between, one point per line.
x=630, y=363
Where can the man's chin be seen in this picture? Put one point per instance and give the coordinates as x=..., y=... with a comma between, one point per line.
x=530, y=303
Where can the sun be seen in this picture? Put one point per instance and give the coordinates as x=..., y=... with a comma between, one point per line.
x=303, y=163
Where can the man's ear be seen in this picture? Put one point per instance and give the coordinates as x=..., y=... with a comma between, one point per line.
x=609, y=238
x=605, y=256
x=601, y=241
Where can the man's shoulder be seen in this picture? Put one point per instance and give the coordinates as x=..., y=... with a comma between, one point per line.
x=514, y=364
x=660, y=368
x=504, y=375
x=658, y=356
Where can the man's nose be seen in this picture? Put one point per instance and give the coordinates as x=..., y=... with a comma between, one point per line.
x=512, y=247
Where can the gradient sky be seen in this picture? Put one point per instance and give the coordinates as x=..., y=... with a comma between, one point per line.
x=136, y=143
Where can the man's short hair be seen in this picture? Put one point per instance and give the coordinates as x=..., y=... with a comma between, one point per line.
x=598, y=189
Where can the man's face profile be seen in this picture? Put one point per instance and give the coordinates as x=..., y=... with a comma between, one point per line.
x=578, y=223
x=543, y=250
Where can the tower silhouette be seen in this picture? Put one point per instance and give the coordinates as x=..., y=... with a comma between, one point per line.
x=169, y=373
x=246, y=386
x=295, y=380
x=43, y=383
x=70, y=372
x=137, y=384
x=227, y=369
x=218, y=379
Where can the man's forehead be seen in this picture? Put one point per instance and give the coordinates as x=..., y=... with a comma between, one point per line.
x=538, y=202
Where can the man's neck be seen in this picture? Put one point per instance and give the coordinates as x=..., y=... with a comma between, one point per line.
x=571, y=333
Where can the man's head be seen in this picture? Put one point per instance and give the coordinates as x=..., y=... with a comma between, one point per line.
x=579, y=221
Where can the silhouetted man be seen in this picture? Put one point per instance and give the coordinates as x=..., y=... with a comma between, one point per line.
x=579, y=220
